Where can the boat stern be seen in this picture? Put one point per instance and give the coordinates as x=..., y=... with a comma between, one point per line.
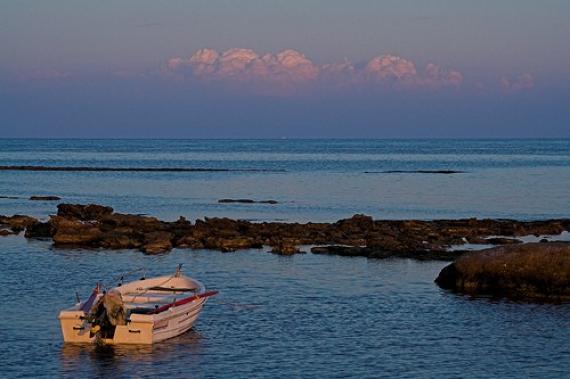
x=74, y=327
x=139, y=331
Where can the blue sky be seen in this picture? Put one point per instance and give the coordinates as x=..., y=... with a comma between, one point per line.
x=359, y=69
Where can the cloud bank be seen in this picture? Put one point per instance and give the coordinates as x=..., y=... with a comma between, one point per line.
x=292, y=70
x=519, y=83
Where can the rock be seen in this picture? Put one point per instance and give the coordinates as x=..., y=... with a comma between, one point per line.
x=477, y=240
x=502, y=241
x=430, y=253
x=189, y=242
x=45, y=198
x=445, y=172
x=17, y=222
x=129, y=169
x=121, y=238
x=233, y=244
x=40, y=230
x=83, y=212
x=321, y=250
x=345, y=251
x=97, y=226
x=243, y=201
x=246, y=201
x=5, y=232
x=157, y=242
x=533, y=271
x=356, y=227
x=285, y=248
x=75, y=233
x=388, y=243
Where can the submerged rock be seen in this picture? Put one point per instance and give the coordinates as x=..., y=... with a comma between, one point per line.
x=445, y=172
x=45, y=198
x=383, y=253
x=287, y=247
x=246, y=201
x=528, y=271
x=502, y=241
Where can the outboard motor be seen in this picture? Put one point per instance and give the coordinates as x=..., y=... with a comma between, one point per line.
x=107, y=314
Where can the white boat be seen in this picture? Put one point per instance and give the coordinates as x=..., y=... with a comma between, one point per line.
x=140, y=312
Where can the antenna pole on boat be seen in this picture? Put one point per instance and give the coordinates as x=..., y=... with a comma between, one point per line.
x=178, y=270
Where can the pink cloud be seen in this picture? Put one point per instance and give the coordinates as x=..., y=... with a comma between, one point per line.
x=391, y=67
x=45, y=74
x=519, y=83
x=290, y=69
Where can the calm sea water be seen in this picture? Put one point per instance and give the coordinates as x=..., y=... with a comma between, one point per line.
x=301, y=316
x=324, y=180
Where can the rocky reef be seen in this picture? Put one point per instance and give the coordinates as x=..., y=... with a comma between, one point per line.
x=534, y=271
x=96, y=226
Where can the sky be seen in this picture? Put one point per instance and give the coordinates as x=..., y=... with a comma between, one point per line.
x=272, y=69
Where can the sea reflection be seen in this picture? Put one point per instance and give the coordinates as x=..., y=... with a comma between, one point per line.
x=99, y=360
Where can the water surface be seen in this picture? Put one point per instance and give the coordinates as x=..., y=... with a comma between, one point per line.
x=307, y=316
x=324, y=180
x=303, y=316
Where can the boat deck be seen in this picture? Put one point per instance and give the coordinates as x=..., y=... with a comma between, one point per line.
x=148, y=300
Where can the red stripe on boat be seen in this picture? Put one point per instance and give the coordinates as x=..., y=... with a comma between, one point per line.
x=185, y=301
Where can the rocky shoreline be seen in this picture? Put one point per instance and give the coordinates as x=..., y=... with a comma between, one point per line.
x=96, y=226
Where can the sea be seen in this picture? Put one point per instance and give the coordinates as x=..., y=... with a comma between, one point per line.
x=305, y=316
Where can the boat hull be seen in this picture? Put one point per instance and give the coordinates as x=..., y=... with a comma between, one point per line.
x=140, y=329
x=154, y=325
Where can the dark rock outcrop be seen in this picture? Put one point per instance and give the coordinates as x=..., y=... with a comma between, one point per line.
x=157, y=242
x=17, y=222
x=502, y=241
x=45, y=198
x=246, y=201
x=539, y=271
x=385, y=252
x=286, y=247
x=96, y=226
x=83, y=212
x=40, y=230
x=444, y=172
x=130, y=169
x=73, y=232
